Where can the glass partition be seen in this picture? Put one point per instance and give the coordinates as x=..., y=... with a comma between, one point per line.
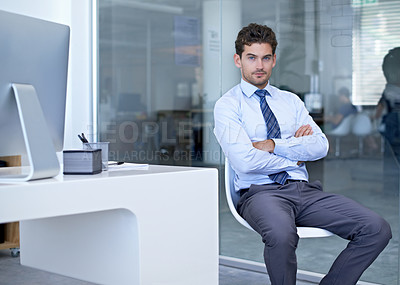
x=156, y=87
x=163, y=64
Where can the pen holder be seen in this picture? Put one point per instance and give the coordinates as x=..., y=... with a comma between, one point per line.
x=104, y=152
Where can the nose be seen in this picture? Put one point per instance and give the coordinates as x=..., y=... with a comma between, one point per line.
x=259, y=64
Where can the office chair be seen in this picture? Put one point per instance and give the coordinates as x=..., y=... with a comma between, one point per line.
x=232, y=197
x=343, y=129
x=362, y=127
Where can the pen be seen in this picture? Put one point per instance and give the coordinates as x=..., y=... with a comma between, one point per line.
x=83, y=136
x=116, y=163
x=82, y=139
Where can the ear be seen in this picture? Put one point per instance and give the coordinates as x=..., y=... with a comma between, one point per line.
x=237, y=60
x=274, y=61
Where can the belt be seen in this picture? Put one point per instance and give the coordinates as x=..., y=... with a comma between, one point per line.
x=288, y=181
x=293, y=180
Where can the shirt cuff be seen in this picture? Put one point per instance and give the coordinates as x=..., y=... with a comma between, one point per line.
x=282, y=146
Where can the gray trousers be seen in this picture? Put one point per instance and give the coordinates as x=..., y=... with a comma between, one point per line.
x=274, y=211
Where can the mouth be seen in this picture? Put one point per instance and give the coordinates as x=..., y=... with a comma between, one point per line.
x=258, y=74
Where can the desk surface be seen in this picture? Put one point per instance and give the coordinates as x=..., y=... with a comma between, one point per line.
x=152, y=169
x=23, y=201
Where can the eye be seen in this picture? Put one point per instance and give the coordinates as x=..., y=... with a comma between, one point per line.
x=267, y=58
x=251, y=57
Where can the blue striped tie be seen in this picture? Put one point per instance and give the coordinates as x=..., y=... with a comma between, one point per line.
x=273, y=131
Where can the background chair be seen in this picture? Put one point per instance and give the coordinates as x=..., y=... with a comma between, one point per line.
x=232, y=197
x=343, y=129
x=361, y=127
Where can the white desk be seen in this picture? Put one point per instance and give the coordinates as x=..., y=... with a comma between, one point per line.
x=148, y=227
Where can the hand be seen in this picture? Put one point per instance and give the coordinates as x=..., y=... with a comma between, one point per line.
x=304, y=130
x=267, y=145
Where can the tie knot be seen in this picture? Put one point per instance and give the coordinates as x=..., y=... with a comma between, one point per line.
x=261, y=92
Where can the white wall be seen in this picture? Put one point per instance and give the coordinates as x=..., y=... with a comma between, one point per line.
x=76, y=14
x=79, y=116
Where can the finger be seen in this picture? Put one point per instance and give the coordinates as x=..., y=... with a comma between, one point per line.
x=300, y=132
x=297, y=134
x=308, y=131
x=304, y=130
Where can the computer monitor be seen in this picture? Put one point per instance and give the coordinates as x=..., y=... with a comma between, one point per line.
x=33, y=84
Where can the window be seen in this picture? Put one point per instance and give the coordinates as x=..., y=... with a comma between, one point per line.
x=376, y=30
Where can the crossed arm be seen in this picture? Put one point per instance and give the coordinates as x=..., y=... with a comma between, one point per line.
x=269, y=145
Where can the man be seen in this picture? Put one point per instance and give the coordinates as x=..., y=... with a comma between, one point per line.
x=267, y=134
x=346, y=108
x=390, y=100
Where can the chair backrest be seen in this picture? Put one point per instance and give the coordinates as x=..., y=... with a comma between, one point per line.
x=232, y=197
x=344, y=127
x=362, y=125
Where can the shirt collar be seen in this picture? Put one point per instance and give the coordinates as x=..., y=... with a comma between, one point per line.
x=249, y=89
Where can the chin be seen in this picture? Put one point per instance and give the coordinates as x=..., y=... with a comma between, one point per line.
x=260, y=82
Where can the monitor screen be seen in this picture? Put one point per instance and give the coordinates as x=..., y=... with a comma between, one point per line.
x=34, y=53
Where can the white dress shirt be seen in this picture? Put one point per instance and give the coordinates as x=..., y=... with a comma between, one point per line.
x=239, y=122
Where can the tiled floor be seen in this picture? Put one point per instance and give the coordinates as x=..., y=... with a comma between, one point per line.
x=11, y=273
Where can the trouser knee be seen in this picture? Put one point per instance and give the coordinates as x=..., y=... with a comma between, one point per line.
x=281, y=239
x=385, y=233
x=378, y=230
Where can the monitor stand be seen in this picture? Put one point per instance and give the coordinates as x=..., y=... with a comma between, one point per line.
x=43, y=161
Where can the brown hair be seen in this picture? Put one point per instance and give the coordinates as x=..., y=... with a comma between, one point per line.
x=255, y=33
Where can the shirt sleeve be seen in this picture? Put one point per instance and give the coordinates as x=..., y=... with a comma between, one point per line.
x=238, y=147
x=306, y=148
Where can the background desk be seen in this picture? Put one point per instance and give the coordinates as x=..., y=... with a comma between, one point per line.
x=148, y=227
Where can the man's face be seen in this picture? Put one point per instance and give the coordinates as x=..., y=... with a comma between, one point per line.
x=256, y=64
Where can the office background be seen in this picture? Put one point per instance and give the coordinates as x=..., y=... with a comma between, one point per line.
x=145, y=75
